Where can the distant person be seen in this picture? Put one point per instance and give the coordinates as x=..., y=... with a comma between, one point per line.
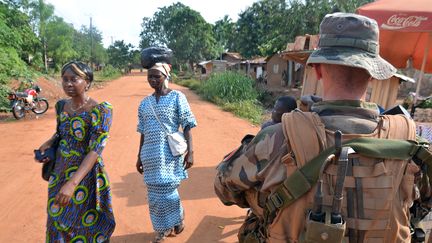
x=159, y=114
x=282, y=105
x=79, y=195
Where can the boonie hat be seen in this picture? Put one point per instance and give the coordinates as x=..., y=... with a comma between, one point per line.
x=351, y=40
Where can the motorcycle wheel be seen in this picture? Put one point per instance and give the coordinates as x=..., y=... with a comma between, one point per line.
x=41, y=106
x=18, y=110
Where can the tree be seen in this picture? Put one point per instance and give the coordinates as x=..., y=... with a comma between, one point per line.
x=261, y=27
x=119, y=54
x=41, y=14
x=224, y=32
x=183, y=30
x=268, y=25
x=88, y=43
x=59, y=41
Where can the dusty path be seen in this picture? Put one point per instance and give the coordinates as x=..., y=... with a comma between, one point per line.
x=23, y=193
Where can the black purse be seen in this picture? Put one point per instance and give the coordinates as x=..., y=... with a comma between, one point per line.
x=51, y=152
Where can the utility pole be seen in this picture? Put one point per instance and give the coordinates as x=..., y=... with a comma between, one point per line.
x=91, y=43
x=112, y=43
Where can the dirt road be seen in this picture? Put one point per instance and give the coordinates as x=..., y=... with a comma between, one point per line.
x=23, y=193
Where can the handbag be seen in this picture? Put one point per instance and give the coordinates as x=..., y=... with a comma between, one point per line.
x=51, y=152
x=176, y=141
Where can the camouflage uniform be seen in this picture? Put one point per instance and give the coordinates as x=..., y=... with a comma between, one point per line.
x=252, y=175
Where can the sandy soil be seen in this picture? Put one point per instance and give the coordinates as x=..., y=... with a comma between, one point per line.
x=23, y=193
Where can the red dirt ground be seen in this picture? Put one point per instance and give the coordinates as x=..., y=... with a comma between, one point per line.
x=23, y=193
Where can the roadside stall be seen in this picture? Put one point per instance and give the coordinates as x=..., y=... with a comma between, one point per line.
x=405, y=35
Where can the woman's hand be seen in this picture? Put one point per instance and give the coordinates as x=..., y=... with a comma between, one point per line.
x=45, y=146
x=188, y=160
x=42, y=149
x=64, y=196
x=139, y=166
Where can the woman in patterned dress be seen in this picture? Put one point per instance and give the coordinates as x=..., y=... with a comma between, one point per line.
x=79, y=196
x=162, y=171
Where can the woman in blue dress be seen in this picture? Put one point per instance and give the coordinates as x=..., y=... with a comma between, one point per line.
x=162, y=171
x=79, y=196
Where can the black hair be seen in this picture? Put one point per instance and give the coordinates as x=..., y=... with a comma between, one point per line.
x=289, y=103
x=82, y=67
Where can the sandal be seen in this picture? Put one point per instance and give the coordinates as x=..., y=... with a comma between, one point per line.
x=161, y=236
x=179, y=228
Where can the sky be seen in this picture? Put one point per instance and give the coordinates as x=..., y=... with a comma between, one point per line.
x=121, y=20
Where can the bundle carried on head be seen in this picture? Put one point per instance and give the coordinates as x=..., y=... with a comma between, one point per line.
x=152, y=55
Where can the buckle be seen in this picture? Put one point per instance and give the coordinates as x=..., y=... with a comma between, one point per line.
x=276, y=200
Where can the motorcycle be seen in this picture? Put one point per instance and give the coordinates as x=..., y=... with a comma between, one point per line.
x=29, y=100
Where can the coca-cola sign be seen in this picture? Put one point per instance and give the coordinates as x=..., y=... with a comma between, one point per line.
x=399, y=21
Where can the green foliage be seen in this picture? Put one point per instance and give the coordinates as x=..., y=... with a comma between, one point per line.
x=192, y=84
x=246, y=105
x=88, y=43
x=229, y=87
x=426, y=104
x=223, y=31
x=183, y=30
x=59, y=39
x=108, y=73
x=120, y=54
x=248, y=109
x=268, y=25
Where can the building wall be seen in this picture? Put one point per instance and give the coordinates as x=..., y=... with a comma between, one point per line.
x=275, y=67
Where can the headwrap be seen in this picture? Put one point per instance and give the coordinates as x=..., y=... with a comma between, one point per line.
x=163, y=68
x=80, y=69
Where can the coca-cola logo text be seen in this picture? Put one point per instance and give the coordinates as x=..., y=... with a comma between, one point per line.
x=400, y=22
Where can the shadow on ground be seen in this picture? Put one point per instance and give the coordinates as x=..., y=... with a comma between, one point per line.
x=132, y=186
x=211, y=229
x=133, y=238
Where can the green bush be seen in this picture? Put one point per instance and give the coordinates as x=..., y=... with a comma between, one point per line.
x=192, y=84
x=248, y=109
x=426, y=104
x=107, y=73
x=4, y=102
x=11, y=67
x=229, y=87
x=232, y=91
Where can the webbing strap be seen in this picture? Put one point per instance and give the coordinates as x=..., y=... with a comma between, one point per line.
x=303, y=179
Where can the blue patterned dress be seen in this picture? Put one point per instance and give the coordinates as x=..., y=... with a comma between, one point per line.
x=162, y=171
x=89, y=216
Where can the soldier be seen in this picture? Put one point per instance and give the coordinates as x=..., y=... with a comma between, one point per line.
x=273, y=176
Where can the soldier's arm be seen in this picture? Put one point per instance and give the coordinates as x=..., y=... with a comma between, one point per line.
x=252, y=168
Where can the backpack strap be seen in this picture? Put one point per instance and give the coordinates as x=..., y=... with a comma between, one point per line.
x=308, y=132
x=397, y=127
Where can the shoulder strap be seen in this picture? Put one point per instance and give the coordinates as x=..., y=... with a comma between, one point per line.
x=59, y=108
x=305, y=133
x=397, y=127
x=157, y=118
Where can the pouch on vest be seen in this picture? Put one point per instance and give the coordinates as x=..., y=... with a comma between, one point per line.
x=326, y=226
x=324, y=231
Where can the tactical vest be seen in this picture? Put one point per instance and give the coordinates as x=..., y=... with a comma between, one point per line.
x=377, y=191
